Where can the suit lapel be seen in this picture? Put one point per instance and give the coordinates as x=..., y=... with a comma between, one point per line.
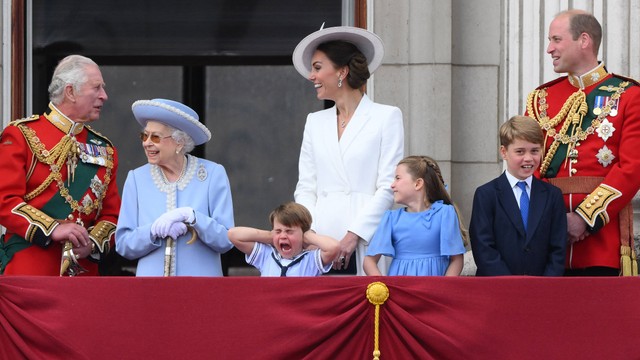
x=537, y=202
x=331, y=144
x=356, y=124
x=509, y=204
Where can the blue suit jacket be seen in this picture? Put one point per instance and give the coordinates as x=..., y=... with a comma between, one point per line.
x=498, y=240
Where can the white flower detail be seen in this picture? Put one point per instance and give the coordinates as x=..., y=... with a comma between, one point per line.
x=605, y=130
x=605, y=156
x=595, y=76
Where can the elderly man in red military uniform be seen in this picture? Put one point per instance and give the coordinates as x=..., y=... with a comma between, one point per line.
x=591, y=119
x=59, y=200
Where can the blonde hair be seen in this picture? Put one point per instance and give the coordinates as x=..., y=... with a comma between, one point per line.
x=521, y=127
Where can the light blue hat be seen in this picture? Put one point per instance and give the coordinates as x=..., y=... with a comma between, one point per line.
x=174, y=114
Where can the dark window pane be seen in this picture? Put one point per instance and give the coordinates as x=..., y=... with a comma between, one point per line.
x=178, y=28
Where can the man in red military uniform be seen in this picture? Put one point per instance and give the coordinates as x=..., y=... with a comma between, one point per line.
x=591, y=119
x=59, y=200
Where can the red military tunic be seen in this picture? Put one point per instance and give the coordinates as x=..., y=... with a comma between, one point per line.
x=38, y=155
x=606, y=144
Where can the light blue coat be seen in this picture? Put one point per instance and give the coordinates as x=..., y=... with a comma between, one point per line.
x=205, y=188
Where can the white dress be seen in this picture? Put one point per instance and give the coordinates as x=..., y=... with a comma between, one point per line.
x=345, y=183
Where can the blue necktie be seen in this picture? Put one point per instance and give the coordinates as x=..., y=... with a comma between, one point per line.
x=524, y=203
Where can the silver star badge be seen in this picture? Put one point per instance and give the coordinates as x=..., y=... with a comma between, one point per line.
x=605, y=156
x=605, y=130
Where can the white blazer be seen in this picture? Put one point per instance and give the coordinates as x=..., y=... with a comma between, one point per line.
x=346, y=184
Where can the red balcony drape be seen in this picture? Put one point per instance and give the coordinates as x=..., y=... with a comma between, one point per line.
x=317, y=318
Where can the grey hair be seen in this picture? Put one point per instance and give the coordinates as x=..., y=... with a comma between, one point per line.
x=182, y=137
x=70, y=71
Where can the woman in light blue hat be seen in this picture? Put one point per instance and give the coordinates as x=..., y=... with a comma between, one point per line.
x=176, y=209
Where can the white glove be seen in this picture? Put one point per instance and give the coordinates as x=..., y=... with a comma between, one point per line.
x=177, y=229
x=160, y=227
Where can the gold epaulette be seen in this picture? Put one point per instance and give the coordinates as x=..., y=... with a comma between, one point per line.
x=625, y=78
x=595, y=204
x=23, y=120
x=99, y=134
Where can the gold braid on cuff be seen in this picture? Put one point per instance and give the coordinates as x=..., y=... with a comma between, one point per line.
x=595, y=204
x=35, y=217
x=100, y=235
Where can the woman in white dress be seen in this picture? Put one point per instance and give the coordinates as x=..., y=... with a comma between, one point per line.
x=349, y=151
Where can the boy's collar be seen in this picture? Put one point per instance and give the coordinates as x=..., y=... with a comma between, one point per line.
x=514, y=180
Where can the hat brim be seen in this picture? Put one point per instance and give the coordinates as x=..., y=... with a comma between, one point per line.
x=367, y=42
x=173, y=114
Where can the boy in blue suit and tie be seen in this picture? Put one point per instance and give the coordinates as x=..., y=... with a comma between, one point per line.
x=518, y=222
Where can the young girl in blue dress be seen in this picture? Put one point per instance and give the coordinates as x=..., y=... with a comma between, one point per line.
x=425, y=237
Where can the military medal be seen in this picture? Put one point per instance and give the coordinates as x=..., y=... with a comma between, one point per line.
x=614, y=108
x=599, y=103
x=93, y=154
x=605, y=130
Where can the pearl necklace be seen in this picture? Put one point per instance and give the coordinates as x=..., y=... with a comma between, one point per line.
x=170, y=188
x=182, y=172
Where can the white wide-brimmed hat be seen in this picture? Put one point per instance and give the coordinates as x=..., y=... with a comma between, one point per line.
x=174, y=114
x=367, y=42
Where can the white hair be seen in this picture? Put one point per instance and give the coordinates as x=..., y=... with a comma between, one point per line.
x=182, y=137
x=70, y=71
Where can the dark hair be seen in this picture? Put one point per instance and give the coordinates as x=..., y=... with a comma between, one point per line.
x=583, y=22
x=427, y=169
x=343, y=53
x=292, y=214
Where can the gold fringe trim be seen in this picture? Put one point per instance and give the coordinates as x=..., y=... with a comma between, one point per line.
x=628, y=261
x=377, y=294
